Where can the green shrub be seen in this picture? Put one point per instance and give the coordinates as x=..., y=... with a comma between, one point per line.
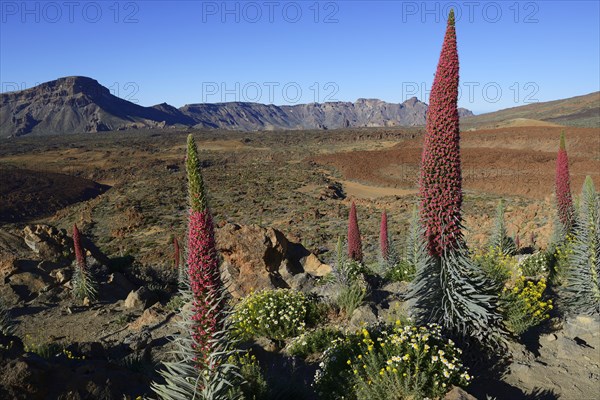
x=403, y=268
x=334, y=379
x=315, y=341
x=499, y=239
x=524, y=306
x=535, y=264
x=403, y=271
x=391, y=362
x=254, y=386
x=349, y=298
x=275, y=314
x=44, y=349
x=559, y=259
x=496, y=265
x=175, y=303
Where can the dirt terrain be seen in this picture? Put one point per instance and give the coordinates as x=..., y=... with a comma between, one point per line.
x=27, y=194
x=509, y=161
x=299, y=182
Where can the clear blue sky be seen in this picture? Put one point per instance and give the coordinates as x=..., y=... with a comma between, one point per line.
x=270, y=51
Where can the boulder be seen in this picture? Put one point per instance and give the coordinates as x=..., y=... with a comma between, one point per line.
x=141, y=298
x=314, y=266
x=258, y=258
x=138, y=340
x=62, y=275
x=28, y=285
x=363, y=315
x=150, y=316
x=458, y=394
x=582, y=326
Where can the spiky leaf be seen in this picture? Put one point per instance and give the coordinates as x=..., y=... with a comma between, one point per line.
x=582, y=287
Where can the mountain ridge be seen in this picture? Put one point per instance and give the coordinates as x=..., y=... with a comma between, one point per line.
x=78, y=104
x=581, y=111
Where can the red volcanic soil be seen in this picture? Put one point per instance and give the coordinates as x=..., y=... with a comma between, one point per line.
x=506, y=161
x=26, y=194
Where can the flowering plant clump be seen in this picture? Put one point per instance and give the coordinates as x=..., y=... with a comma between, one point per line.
x=254, y=385
x=535, y=264
x=402, y=271
x=315, y=341
x=203, y=344
x=388, y=362
x=524, y=305
x=496, y=264
x=275, y=314
x=562, y=252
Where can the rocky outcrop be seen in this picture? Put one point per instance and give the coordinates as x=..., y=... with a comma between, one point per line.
x=47, y=241
x=256, y=258
x=564, y=362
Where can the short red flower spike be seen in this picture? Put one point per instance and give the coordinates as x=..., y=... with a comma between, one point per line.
x=354, y=240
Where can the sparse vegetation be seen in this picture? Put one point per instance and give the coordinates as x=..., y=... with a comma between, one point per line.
x=297, y=182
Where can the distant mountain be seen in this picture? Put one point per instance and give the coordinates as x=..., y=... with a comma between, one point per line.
x=581, y=111
x=75, y=104
x=80, y=104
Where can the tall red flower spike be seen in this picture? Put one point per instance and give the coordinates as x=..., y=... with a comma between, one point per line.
x=441, y=179
x=202, y=257
x=383, y=236
x=354, y=241
x=564, y=200
x=79, y=251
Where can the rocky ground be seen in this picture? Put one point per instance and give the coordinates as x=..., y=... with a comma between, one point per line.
x=280, y=201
